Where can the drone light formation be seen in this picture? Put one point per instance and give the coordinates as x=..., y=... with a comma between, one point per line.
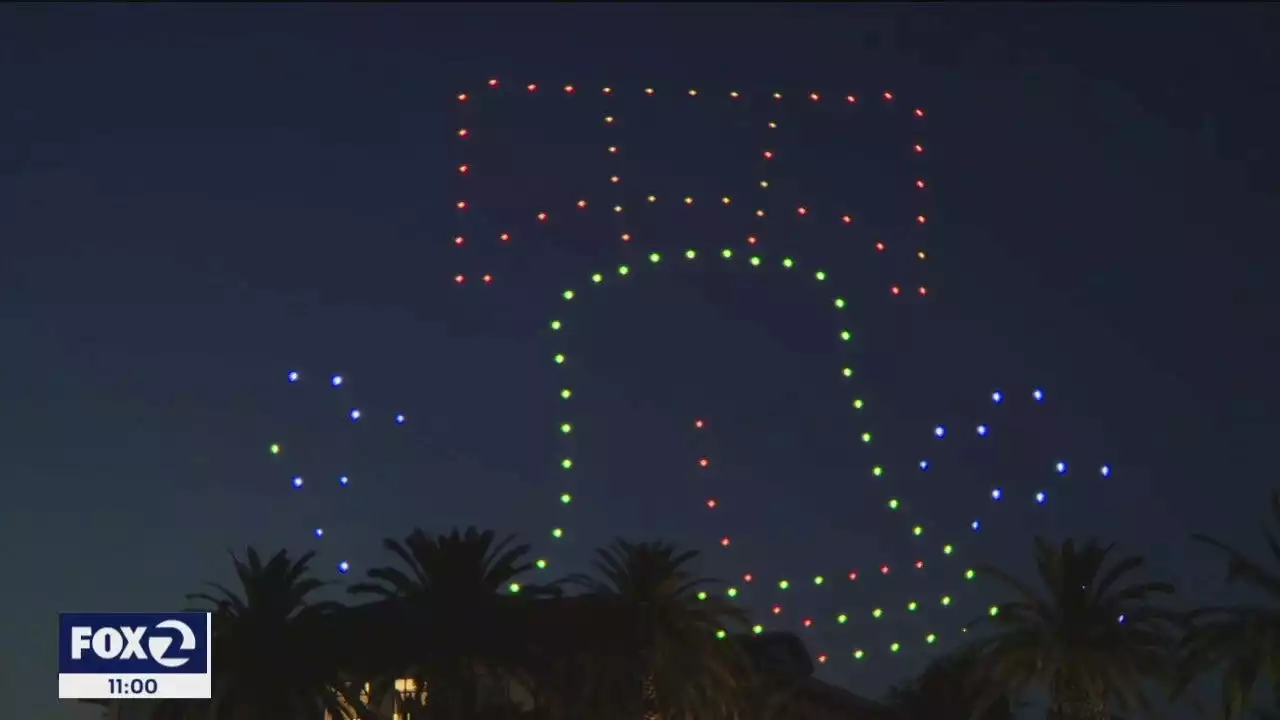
x=930, y=545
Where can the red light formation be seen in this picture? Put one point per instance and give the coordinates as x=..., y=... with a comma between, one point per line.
x=808, y=622
x=459, y=240
x=895, y=290
x=504, y=237
x=493, y=82
x=853, y=575
x=777, y=609
x=748, y=577
x=487, y=279
x=888, y=96
x=698, y=424
x=711, y=503
x=919, y=564
x=822, y=658
x=704, y=462
x=884, y=569
x=880, y=246
x=724, y=541
x=459, y=279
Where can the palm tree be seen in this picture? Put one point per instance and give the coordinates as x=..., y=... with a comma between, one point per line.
x=450, y=589
x=1244, y=640
x=1088, y=640
x=269, y=660
x=670, y=656
x=950, y=689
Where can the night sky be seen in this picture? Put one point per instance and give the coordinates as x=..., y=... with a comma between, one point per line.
x=195, y=201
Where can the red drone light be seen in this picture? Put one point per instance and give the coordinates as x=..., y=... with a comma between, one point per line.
x=693, y=93
x=607, y=90
x=542, y=216
x=582, y=203
x=734, y=94
x=531, y=87
x=704, y=462
x=802, y=210
x=459, y=240
x=626, y=237
x=884, y=569
x=462, y=97
x=493, y=82
x=919, y=112
x=724, y=541
x=814, y=96
x=822, y=658
x=463, y=132
x=459, y=279
x=919, y=564
x=648, y=91
x=608, y=118
x=487, y=279
x=846, y=219
x=880, y=246
x=895, y=290
x=777, y=609
x=698, y=424
x=568, y=89
x=853, y=575
x=768, y=154
x=920, y=184
x=808, y=622
x=463, y=168
x=923, y=290
x=615, y=179
x=850, y=99
x=613, y=149
x=918, y=148
x=711, y=503
x=752, y=240
x=888, y=96
x=461, y=205
x=504, y=237
x=921, y=219
x=748, y=577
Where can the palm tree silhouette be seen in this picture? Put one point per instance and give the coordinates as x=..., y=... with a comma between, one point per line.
x=1087, y=639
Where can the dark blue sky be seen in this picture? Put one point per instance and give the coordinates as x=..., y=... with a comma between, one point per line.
x=194, y=200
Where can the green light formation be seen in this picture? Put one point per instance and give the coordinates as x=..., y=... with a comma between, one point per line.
x=275, y=449
x=878, y=471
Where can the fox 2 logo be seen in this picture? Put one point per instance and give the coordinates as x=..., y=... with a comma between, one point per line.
x=128, y=643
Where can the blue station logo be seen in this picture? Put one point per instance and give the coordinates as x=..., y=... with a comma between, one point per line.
x=134, y=643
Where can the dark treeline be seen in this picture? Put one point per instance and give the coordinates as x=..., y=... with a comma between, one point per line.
x=449, y=630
